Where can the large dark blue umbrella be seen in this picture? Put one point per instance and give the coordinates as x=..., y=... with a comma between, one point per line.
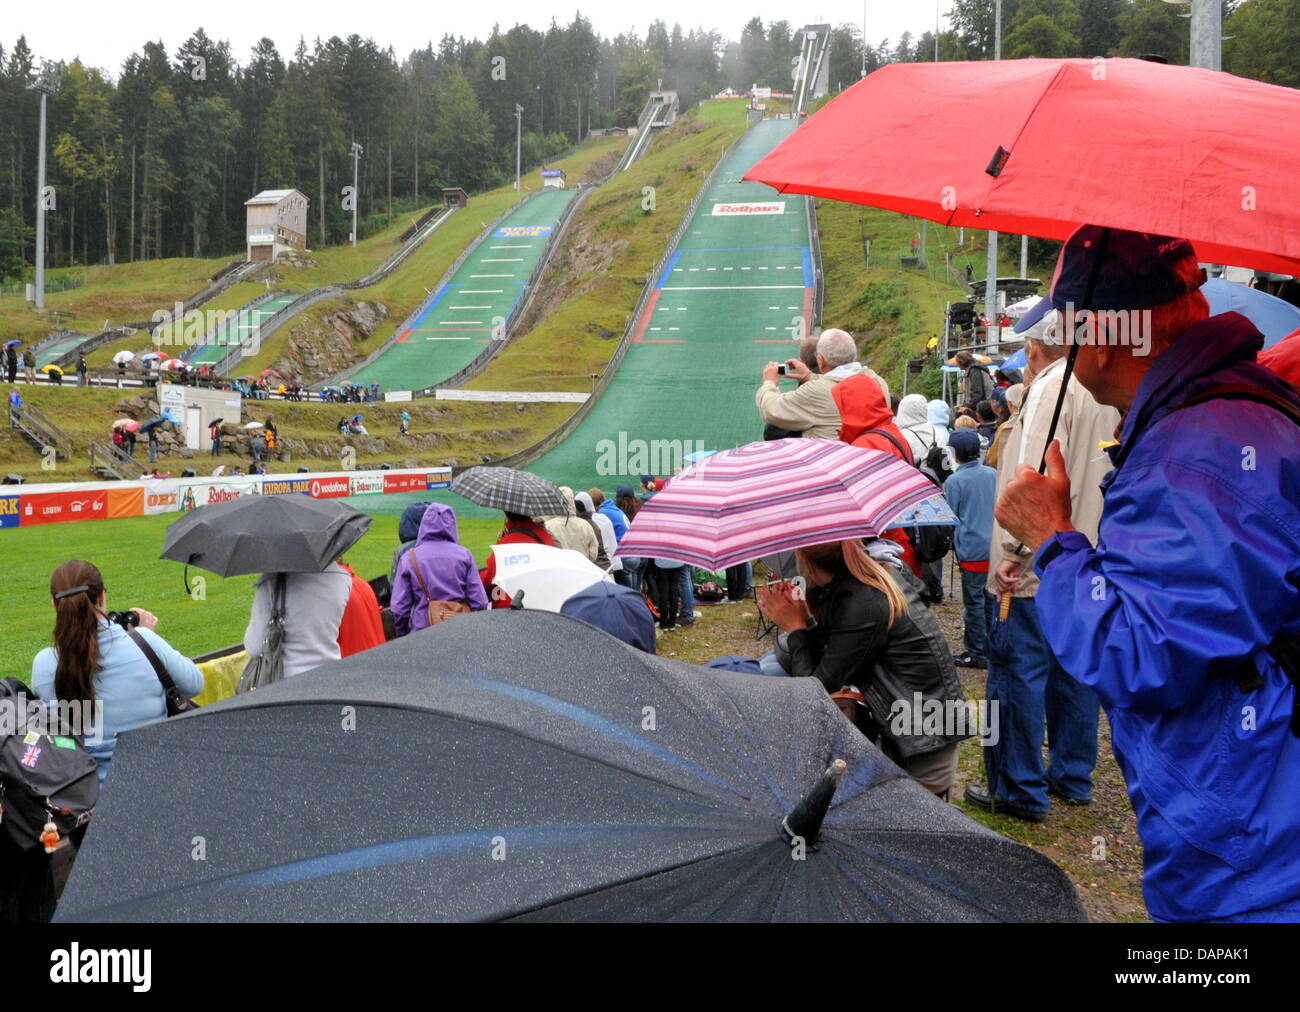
x=521, y=764
x=620, y=611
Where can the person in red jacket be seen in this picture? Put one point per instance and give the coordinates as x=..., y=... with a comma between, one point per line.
x=518, y=530
x=361, y=627
x=1284, y=358
x=866, y=421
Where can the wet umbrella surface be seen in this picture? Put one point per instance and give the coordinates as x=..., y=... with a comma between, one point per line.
x=525, y=765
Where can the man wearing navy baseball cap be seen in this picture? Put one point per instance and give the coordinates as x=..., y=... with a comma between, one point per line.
x=1185, y=614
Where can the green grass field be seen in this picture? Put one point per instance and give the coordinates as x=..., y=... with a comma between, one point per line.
x=126, y=552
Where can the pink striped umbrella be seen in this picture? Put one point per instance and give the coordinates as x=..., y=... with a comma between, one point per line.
x=774, y=496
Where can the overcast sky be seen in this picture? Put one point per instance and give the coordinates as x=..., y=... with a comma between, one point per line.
x=103, y=33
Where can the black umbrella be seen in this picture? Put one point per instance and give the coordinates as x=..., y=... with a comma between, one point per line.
x=265, y=534
x=509, y=490
x=526, y=765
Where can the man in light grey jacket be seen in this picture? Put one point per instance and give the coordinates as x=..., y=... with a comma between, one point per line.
x=810, y=408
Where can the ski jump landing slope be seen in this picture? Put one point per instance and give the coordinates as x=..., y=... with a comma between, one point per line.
x=733, y=296
x=461, y=318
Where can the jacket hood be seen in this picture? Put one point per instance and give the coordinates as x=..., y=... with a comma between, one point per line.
x=937, y=413
x=439, y=524
x=862, y=406
x=912, y=410
x=408, y=528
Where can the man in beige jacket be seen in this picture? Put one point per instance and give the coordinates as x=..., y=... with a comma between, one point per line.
x=809, y=409
x=1025, y=679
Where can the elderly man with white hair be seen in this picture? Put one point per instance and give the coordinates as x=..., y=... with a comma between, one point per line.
x=810, y=407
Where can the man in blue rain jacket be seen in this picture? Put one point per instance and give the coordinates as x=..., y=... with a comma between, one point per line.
x=1185, y=615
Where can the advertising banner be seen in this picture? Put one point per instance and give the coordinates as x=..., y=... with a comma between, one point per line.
x=165, y=497
x=61, y=507
x=125, y=502
x=286, y=486
x=439, y=479
x=770, y=207
x=333, y=487
x=9, y=508
x=405, y=482
x=205, y=493
x=366, y=484
x=523, y=231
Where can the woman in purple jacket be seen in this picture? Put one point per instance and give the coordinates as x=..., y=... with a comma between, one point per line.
x=447, y=568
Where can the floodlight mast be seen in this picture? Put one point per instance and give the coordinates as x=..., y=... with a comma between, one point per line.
x=47, y=84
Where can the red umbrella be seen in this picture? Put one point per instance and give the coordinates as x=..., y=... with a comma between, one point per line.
x=1040, y=147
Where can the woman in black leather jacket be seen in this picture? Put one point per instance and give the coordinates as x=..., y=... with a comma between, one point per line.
x=861, y=624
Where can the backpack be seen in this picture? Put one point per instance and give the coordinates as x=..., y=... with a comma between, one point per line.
x=49, y=784
x=931, y=542
x=935, y=465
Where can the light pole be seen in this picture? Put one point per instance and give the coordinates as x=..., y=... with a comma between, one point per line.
x=991, y=286
x=1206, y=49
x=356, y=156
x=47, y=84
x=519, y=133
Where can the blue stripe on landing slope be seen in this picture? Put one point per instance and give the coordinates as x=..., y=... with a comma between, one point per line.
x=431, y=306
x=806, y=253
x=668, y=268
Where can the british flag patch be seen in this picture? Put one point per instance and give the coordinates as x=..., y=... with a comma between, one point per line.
x=31, y=757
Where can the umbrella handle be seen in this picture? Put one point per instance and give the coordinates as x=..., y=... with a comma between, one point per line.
x=1004, y=605
x=804, y=822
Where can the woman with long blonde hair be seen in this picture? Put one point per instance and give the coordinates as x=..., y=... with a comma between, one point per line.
x=854, y=621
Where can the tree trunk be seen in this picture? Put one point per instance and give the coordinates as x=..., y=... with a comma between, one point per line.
x=130, y=246
x=320, y=148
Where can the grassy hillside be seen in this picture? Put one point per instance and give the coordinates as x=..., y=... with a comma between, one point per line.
x=612, y=245
x=406, y=288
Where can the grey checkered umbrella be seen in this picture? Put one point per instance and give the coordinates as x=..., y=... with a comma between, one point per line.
x=504, y=488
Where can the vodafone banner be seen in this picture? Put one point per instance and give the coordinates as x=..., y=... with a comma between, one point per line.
x=335, y=486
x=770, y=207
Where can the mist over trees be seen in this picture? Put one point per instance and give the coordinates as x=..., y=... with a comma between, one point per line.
x=154, y=158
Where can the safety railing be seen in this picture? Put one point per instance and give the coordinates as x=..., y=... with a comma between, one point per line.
x=108, y=459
